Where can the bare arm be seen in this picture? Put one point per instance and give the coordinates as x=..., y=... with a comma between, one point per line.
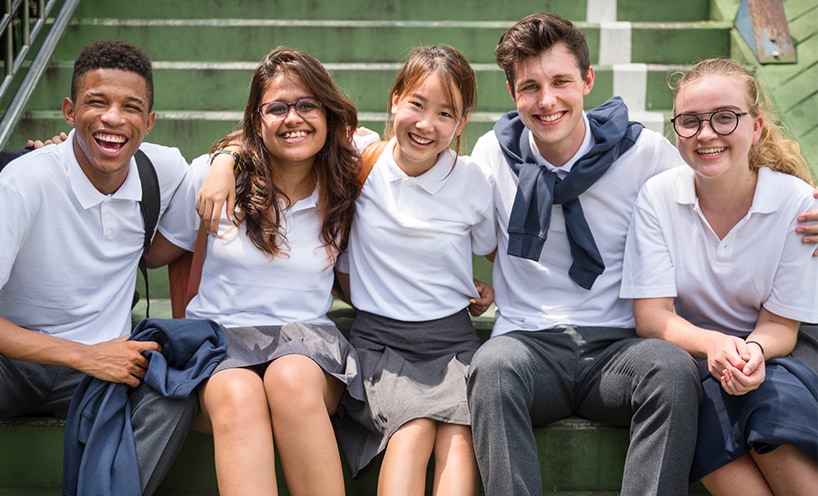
x=162, y=252
x=774, y=336
x=655, y=318
x=342, y=279
x=218, y=190
x=117, y=360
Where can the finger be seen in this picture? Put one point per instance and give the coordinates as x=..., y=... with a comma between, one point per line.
x=30, y=144
x=142, y=346
x=63, y=136
x=231, y=207
x=214, y=217
x=38, y=144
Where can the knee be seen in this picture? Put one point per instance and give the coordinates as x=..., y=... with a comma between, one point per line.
x=672, y=371
x=230, y=400
x=496, y=371
x=294, y=383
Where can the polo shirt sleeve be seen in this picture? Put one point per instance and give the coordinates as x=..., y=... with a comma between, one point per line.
x=14, y=221
x=795, y=286
x=648, y=270
x=180, y=223
x=484, y=232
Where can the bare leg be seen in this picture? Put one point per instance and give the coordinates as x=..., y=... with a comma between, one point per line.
x=235, y=402
x=403, y=471
x=739, y=477
x=455, y=465
x=301, y=398
x=789, y=471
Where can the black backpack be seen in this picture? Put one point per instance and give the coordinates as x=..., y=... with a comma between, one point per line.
x=148, y=206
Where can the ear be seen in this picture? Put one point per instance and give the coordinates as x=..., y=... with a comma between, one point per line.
x=462, y=124
x=588, y=83
x=758, y=126
x=68, y=111
x=395, y=101
x=151, y=121
x=510, y=91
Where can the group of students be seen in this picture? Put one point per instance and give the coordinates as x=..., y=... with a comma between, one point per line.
x=600, y=238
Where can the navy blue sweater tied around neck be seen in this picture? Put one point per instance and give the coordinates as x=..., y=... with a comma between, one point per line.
x=539, y=188
x=100, y=454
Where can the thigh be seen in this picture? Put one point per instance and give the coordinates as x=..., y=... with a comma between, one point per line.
x=28, y=388
x=611, y=382
x=534, y=367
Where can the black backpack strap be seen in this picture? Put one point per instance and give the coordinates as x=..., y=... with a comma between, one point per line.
x=149, y=206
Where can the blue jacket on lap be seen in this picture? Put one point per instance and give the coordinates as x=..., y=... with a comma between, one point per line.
x=100, y=455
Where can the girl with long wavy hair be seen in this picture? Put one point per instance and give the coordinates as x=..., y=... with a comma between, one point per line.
x=267, y=277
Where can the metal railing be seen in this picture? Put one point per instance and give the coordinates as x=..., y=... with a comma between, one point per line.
x=20, y=26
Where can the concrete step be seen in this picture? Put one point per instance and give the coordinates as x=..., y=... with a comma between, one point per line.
x=578, y=10
x=385, y=40
x=577, y=457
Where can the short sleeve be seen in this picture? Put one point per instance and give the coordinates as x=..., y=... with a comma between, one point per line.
x=180, y=223
x=795, y=286
x=14, y=221
x=648, y=270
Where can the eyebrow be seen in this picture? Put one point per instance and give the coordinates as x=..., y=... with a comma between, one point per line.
x=99, y=94
x=717, y=109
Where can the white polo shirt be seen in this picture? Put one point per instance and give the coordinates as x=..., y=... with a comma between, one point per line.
x=534, y=295
x=242, y=285
x=722, y=284
x=68, y=253
x=410, y=251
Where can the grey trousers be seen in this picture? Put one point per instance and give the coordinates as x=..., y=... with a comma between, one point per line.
x=160, y=424
x=525, y=379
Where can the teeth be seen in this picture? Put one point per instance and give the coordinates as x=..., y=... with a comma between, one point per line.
x=112, y=138
x=419, y=140
x=550, y=118
x=710, y=151
x=294, y=134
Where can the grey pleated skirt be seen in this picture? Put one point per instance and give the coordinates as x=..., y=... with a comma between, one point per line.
x=255, y=347
x=410, y=370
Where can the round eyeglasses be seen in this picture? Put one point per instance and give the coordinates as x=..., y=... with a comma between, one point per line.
x=722, y=122
x=276, y=110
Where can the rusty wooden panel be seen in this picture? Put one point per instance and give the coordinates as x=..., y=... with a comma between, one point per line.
x=763, y=25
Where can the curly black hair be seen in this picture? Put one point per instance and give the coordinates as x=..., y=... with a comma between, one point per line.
x=113, y=54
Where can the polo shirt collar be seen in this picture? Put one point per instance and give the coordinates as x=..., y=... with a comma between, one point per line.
x=431, y=181
x=87, y=194
x=562, y=171
x=765, y=199
x=306, y=203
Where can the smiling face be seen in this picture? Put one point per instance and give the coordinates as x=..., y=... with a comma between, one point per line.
x=709, y=154
x=292, y=140
x=111, y=118
x=549, y=91
x=425, y=122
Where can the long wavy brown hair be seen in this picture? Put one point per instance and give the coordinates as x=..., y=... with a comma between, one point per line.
x=336, y=168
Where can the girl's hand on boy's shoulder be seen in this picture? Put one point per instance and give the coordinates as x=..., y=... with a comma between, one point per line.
x=808, y=225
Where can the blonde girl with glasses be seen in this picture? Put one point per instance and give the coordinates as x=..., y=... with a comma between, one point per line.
x=715, y=265
x=267, y=277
